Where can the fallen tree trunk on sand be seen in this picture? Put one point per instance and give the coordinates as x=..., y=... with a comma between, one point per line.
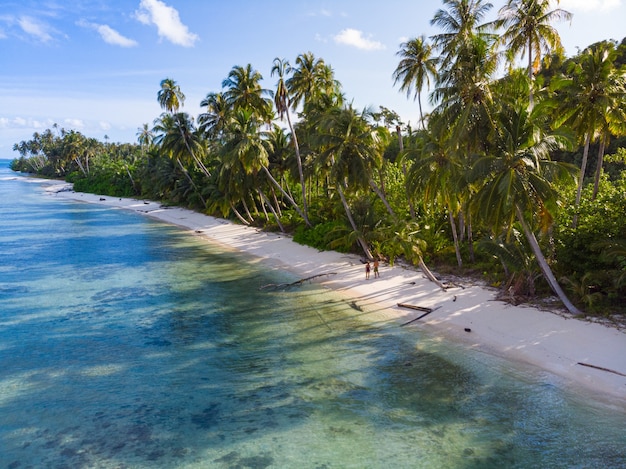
x=278, y=286
x=601, y=368
x=426, y=310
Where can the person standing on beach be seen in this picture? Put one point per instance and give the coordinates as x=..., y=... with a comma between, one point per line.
x=367, y=270
x=376, y=274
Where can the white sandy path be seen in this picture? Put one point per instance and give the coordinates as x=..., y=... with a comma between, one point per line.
x=525, y=334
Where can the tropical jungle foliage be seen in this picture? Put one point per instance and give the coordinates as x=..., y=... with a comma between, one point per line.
x=518, y=176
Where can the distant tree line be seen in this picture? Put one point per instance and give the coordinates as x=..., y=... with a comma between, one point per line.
x=518, y=178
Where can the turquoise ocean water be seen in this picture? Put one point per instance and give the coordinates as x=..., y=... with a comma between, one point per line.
x=127, y=343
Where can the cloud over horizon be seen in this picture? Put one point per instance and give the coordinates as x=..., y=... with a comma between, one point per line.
x=167, y=20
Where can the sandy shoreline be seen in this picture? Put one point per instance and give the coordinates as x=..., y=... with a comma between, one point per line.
x=549, y=341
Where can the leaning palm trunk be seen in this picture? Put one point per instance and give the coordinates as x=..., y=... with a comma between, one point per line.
x=237, y=214
x=287, y=196
x=346, y=207
x=271, y=207
x=543, y=264
x=300, y=170
x=382, y=197
x=193, y=184
x=429, y=274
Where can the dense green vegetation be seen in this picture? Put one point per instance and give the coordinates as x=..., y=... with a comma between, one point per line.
x=517, y=177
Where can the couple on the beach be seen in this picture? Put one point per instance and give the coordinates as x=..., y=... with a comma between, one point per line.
x=368, y=268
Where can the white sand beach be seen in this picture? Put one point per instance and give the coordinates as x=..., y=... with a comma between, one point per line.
x=580, y=352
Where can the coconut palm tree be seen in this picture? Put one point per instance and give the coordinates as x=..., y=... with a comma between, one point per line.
x=528, y=31
x=515, y=182
x=282, y=68
x=170, y=97
x=243, y=91
x=245, y=145
x=312, y=81
x=417, y=67
x=214, y=120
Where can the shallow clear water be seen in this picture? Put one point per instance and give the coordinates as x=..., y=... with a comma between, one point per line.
x=128, y=343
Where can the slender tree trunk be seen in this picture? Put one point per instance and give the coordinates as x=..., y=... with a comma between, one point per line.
x=346, y=207
x=300, y=170
x=241, y=219
x=193, y=184
x=248, y=214
x=267, y=202
x=455, y=237
x=382, y=197
x=543, y=264
x=581, y=177
x=429, y=274
x=531, y=76
x=293, y=202
x=404, y=171
x=470, y=237
x=596, y=183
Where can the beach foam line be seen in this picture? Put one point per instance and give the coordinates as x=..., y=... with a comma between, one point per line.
x=470, y=315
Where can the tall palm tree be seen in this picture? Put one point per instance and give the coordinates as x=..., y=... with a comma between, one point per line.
x=516, y=182
x=245, y=145
x=590, y=99
x=282, y=68
x=417, y=67
x=311, y=81
x=243, y=91
x=214, y=120
x=528, y=31
x=437, y=173
x=170, y=97
x=349, y=148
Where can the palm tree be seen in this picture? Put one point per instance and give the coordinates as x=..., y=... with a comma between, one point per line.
x=243, y=91
x=437, y=173
x=415, y=69
x=311, y=81
x=590, y=99
x=245, y=145
x=213, y=122
x=170, y=97
x=528, y=31
x=516, y=182
x=350, y=148
x=282, y=103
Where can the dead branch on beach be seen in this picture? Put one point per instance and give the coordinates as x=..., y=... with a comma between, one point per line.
x=426, y=310
x=601, y=368
x=279, y=286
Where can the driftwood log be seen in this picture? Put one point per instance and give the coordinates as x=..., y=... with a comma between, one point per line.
x=601, y=368
x=426, y=310
x=297, y=283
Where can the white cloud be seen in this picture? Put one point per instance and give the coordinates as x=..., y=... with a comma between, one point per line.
x=109, y=35
x=79, y=123
x=590, y=5
x=167, y=21
x=35, y=28
x=354, y=38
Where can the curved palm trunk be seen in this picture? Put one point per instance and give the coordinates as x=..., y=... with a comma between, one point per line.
x=300, y=170
x=346, y=207
x=543, y=264
x=271, y=207
x=382, y=197
x=238, y=215
x=531, y=94
x=291, y=201
x=581, y=177
x=429, y=274
x=193, y=184
x=199, y=163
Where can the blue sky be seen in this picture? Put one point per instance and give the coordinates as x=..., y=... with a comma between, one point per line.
x=95, y=65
